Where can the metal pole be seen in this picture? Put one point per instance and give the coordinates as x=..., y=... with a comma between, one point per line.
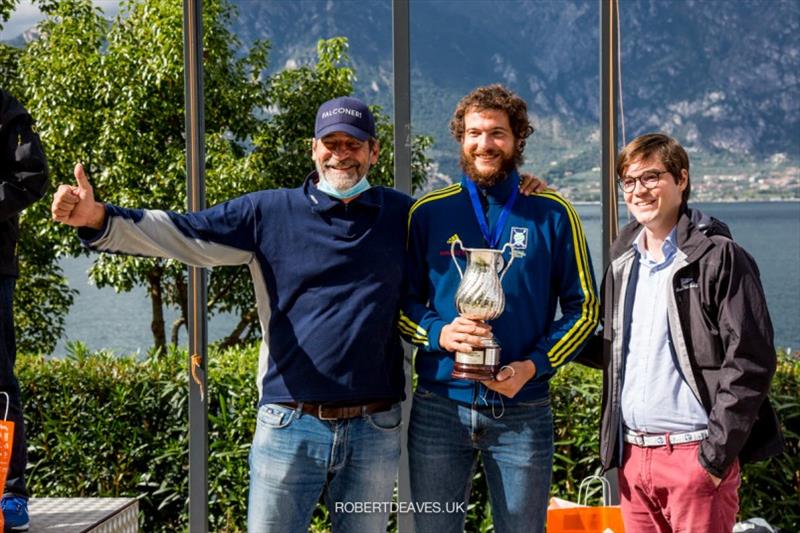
x=608, y=132
x=608, y=121
x=402, y=182
x=197, y=320
x=402, y=95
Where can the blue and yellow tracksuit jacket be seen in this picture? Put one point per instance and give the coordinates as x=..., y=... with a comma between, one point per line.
x=552, y=269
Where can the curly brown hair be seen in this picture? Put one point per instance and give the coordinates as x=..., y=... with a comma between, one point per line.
x=495, y=96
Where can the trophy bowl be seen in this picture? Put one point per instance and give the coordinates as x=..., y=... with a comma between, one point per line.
x=480, y=297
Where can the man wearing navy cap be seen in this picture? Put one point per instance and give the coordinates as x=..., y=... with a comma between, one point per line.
x=326, y=260
x=344, y=124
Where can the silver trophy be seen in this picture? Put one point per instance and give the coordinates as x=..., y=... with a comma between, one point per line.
x=480, y=297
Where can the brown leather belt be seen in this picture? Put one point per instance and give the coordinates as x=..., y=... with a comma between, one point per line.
x=340, y=412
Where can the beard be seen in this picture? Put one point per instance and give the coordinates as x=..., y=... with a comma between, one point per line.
x=341, y=181
x=483, y=179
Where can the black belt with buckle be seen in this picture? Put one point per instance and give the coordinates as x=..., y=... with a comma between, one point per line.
x=340, y=412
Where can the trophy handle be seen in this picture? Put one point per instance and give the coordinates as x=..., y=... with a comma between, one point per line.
x=453, y=255
x=511, y=260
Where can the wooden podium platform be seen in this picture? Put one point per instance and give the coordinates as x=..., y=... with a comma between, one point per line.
x=83, y=515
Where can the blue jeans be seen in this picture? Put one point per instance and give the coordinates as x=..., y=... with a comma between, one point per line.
x=15, y=483
x=296, y=457
x=444, y=440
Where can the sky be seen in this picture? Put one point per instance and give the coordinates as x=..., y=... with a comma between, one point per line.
x=26, y=15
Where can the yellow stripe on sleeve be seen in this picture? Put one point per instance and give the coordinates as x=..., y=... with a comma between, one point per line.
x=415, y=331
x=590, y=308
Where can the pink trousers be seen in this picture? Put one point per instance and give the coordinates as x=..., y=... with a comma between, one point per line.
x=664, y=489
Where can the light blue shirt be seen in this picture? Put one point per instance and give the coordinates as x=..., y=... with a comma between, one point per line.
x=655, y=397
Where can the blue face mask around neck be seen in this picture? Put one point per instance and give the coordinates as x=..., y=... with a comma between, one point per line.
x=355, y=190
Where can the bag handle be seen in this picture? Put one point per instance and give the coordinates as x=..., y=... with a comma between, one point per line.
x=583, y=489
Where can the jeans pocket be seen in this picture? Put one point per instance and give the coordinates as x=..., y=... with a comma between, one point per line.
x=275, y=416
x=387, y=421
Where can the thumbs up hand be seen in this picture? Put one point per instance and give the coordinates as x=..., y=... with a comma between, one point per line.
x=74, y=205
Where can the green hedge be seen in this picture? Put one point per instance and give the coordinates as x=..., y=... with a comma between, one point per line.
x=103, y=425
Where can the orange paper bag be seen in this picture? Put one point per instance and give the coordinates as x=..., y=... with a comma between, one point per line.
x=568, y=517
x=6, y=441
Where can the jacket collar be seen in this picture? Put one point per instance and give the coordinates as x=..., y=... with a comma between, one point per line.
x=693, y=233
x=320, y=202
x=499, y=192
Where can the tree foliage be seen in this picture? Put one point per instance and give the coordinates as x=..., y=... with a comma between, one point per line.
x=9, y=59
x=103, y=97
x=6, y=7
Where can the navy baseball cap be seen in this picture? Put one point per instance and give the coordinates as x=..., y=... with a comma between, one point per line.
x=347, y=115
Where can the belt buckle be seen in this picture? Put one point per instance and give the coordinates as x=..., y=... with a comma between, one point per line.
x=321, y=416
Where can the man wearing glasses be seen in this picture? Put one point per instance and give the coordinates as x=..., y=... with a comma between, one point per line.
x=686, y=350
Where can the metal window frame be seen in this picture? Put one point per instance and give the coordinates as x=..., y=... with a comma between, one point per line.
x=194, y=102
x=401, y=59
x=609, y=98
x=195, y=157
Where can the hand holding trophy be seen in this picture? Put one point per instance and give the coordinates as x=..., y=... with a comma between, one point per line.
x=480, y=297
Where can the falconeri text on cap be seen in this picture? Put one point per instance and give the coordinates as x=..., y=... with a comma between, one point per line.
x=345, y=115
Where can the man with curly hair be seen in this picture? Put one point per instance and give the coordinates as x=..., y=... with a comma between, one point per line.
x=504, y=420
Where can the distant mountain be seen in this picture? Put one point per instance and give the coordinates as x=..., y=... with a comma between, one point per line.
x=722, y=76
x=21, y=40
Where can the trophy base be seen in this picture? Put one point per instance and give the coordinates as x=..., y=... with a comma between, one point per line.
x=474, y=372
x=478, y=365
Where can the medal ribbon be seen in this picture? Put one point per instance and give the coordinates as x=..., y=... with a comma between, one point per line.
x=493, y=238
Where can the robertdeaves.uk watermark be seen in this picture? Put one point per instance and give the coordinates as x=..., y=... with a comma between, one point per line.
x=399, y=507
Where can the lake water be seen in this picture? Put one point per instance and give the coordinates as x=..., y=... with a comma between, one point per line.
x=770, y=231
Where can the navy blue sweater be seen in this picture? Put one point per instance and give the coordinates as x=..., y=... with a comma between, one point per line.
x=327, y=279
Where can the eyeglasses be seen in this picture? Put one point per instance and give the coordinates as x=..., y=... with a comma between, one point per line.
x=649, y=180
